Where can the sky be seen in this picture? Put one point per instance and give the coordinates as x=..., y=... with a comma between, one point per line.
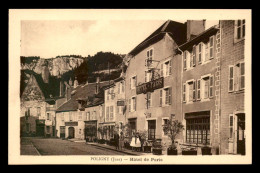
x=50, y=38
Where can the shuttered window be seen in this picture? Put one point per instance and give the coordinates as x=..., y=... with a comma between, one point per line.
x=211, y=47
x=161, y=70
x=194, y=91
x=111, y=113
x=200, y=53
x=107, y=113
x=170, y=67
x=129, y=105
x=185, y=60
x=194, y=56
x=231, y=126
x=206, y=88
x=161, y=97
x=211, y=82
x=242, y=75
x=184, y=93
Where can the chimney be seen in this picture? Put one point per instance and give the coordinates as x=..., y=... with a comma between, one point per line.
x=194, y=28
x=75, y=82
x=45, y=74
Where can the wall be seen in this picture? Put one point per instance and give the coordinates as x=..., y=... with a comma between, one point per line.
x=231, y=53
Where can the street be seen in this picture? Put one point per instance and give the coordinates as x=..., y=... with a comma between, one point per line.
x=54, y=146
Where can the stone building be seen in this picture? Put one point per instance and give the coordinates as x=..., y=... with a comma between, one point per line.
x=114, y=107
x=200, y=89
x=232, y=120
x=38, y=105
x=79, y=116
x=153, y=78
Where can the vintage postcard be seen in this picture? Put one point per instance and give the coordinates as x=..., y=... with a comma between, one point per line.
x=127, y=86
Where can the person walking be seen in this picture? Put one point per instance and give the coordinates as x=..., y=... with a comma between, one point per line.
x=121, y=141
x=116, y=138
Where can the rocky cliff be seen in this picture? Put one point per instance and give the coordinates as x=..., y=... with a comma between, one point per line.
x=56, y=66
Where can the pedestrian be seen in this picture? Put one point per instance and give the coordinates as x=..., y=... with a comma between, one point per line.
x=116, y=138
x=138, y=142
x=132, y=144
x=121, y=141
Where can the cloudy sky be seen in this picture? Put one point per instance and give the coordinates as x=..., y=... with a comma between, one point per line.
x=50, y=38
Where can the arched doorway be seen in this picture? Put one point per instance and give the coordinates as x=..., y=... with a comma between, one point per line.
x=71, y=132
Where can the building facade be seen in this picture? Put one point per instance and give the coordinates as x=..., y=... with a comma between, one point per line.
x=232, y=87
x=200, y=89
x=153, y=81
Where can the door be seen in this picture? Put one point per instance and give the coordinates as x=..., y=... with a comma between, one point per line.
x=241, y=134
x=151, y=129
x=71, y=132
x=62, y=131
x=40, y=130
x=132, y=124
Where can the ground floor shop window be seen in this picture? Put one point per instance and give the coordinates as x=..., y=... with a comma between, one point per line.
x=151, y=129
x=198, y=130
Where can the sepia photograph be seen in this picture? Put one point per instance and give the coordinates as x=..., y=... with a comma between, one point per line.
x=94, y=86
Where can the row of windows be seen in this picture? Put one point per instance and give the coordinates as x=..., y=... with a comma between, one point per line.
x=197, y=90
x=200, y=54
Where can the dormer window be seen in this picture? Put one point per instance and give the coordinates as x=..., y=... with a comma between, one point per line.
x=149, y=57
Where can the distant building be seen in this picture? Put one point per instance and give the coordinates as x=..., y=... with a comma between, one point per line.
x=38, y=105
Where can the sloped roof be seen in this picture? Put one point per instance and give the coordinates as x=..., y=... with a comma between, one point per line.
x=176, y=30
x=83, y=92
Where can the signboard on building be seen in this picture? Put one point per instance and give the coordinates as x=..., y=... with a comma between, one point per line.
x=150, y=86
x=120, y=103
x=72, y=123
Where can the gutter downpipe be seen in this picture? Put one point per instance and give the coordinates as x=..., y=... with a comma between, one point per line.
x=182, y=117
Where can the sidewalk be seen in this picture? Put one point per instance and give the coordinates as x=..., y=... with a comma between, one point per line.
x=126, y=151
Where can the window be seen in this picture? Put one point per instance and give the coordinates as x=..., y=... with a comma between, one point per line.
x=211, y=86
x=48, y=116
x=149, y=57
x=198, y=89
x=149, y=100
x=211, y=45
x=190, y=87
x=133, y=82
x=39, y=111
x=134, y=103
x=151, y=129
x=165, y=122
x=194, y=91
x=161, y=97
x=111, y=113
x=240, y=26
x=168, y=68
x=185, y=60
x=168, y=96
x=193, y=61
x=107, y=113
x=129, y=105
x=206, y=87
x=231, y=78
x=200, y=53
x=231, y=124
x=198, y=130
x=184, y=93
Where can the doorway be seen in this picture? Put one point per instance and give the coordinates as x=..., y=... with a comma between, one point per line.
x=71, y=132
x=132, y=124
x=241, y=134
x=151, y=129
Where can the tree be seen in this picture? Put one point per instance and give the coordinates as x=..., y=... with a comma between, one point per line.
x=172, y=128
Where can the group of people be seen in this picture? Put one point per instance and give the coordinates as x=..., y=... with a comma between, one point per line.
x=135, y=141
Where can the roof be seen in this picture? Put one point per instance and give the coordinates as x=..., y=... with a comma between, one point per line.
x=84, y=92
x=201, y=37
x=175, y=29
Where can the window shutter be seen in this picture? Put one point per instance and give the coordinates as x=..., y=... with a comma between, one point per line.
x=211, y=49
x=194, y=91
x=200, y=53
x=243, y=28
x=170, y=67
x=206, y=89
x=231, y=79
x=185, y=60
x=129, y=104
x=211, y=82
x=145, y=76
x=194, y=55
x=242, y=75
x=161, y=70
x=135, y=103
x=184, y=92
x=198, y=89
x=231, y=124
x=191, y=59
x=161, y=99
x=170, y=96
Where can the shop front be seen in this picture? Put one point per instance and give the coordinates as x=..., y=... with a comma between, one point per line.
x=91, y=130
